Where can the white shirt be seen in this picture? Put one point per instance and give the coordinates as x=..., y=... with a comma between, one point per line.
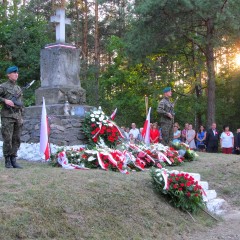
x=227, y=141
x=135, y=132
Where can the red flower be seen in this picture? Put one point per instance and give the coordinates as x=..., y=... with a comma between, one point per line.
x=180, y=189
x=84, y=156
x=188, y=184
x=182, y=184
x=188, y=194
x=175, y=186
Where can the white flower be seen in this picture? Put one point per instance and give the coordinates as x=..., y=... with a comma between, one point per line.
x=96, y=116
x=99, y=108
x=160, y=178
x=104, y=121
x=93, y=119
x=101, y=118
x=91, y=158
x=92, y=115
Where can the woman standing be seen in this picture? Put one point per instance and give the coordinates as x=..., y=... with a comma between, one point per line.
x=176, y=133
x=201, y=137
x=190, y=137
x=154, y=133
x=227, y=140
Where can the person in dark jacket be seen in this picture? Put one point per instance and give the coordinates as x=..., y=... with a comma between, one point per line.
x=212, y=139
x=237, y=142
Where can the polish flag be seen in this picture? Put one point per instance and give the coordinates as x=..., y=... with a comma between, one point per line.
x=44, y=133
x=146, y=129
x=113, y=115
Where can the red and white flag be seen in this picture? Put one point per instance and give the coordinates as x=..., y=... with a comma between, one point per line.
x=113, y=115
x=146, y=129
x=44, y=133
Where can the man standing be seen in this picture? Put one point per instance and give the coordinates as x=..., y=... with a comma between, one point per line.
x=11, y=117
x=212, y=139
x=165, y=109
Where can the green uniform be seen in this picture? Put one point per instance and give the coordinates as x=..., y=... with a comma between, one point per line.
x=166, y=123
x=11, y=118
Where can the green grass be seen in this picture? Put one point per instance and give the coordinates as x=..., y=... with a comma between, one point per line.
x=41, y=202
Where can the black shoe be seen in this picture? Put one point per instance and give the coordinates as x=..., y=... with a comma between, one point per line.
x=8, y=163
x=14, y=162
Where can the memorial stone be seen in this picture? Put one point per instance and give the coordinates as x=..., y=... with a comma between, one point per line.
x=60, y=84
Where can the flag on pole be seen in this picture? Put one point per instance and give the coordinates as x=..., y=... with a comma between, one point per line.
x=146, y=129
x=44, y=133
x=113, y=115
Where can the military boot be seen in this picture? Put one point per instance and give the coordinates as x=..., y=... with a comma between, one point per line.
x=8, y=163
x=14, y=162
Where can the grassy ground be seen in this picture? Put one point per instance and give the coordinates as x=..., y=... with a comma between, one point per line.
x=41, y=202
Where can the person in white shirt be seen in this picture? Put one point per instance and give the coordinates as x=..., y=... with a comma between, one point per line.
x=227, y=140
x=134, y=131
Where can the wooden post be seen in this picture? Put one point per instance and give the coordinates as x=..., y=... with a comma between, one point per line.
x=146, y=104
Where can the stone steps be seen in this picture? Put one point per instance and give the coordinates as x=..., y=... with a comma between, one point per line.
x=214, y=205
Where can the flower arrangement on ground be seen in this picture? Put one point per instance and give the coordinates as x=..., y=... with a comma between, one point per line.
x=180, y=188
x=184, y=150
x=98, y=126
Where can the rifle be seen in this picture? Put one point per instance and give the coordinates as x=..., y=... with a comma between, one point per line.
x=15, y=98
x=172, y=107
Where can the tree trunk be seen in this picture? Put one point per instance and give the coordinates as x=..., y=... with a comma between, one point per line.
x=211, y=74
x=5, y=4
x=97, y=54
x=85, y=30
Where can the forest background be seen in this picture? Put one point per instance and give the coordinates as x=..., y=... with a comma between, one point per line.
x=131, y=50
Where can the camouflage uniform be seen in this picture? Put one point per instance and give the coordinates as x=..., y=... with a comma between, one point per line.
x=166, y=123
x=11, y=118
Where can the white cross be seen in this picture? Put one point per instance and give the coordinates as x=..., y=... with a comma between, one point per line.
x=60, y=21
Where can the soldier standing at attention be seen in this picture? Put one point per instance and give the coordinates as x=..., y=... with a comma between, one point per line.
x=11, y=117
x=165, y=109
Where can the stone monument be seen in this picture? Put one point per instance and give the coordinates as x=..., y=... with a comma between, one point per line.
x=60, y=86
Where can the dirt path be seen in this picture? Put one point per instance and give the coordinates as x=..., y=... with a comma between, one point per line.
x=228, y=228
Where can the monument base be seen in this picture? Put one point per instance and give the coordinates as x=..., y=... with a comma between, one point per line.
x=58, y=95
x=64, y=130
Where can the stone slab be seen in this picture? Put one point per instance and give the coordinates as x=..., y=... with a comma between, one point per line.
x=60, y=67
x=204, y=185
x=55, y=110
x=211, y=194
x=217, y=206
x=56, y=95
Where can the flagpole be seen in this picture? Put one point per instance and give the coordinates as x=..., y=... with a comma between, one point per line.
x=146, y=104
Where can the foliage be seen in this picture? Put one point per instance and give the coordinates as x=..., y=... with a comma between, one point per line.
x=181, y=189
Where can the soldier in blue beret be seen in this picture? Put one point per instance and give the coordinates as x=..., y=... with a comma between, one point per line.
x=11, y=118
x=165, y=109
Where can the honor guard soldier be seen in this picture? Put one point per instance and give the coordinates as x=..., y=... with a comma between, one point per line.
x=165, y=109
x=11, y=117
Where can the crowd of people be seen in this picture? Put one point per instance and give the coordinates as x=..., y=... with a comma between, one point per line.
x=201, y=140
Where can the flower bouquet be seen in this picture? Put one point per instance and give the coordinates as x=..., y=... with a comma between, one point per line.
x=98, y=126
x=184, y=150
x=179, y=188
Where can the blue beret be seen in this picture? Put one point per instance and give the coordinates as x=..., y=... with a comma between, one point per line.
x=12, y=69
x=166, y=89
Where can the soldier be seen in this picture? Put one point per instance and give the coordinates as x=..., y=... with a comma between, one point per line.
x=11, y=117
x=165, y=109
